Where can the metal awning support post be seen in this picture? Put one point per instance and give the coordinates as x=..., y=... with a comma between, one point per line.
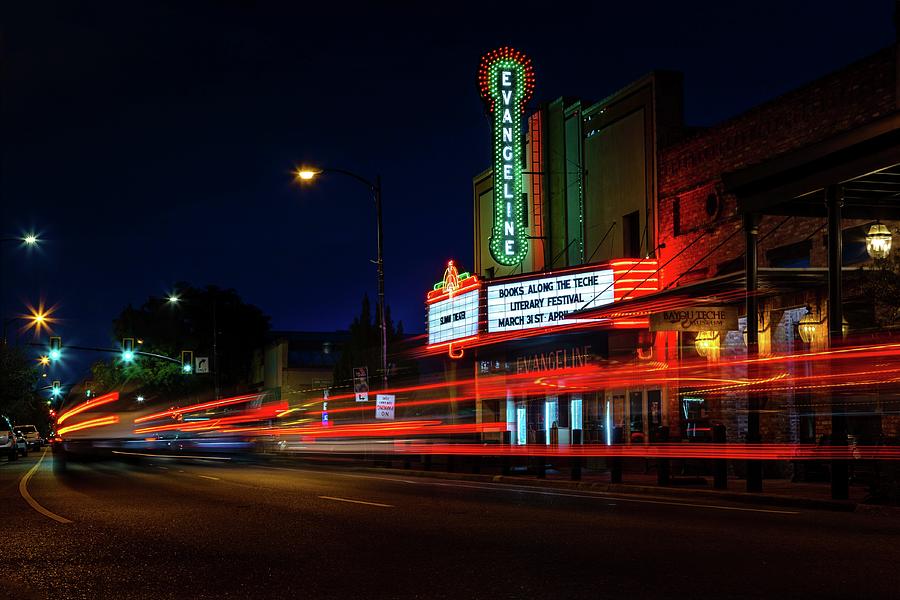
x=840, y=484
x=751, y=239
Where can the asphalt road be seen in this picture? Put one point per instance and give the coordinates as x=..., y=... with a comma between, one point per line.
x=163, y=528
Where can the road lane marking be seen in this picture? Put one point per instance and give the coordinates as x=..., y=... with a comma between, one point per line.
x=209, y=477
x=172, y=455
x=601, y=496
x=376, y=477
x=499, y=487
x=23, y=489
x=356, y=501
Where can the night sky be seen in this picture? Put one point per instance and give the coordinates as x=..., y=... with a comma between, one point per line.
x=153, y=142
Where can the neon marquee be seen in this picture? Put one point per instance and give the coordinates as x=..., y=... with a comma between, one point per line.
x=506, y=80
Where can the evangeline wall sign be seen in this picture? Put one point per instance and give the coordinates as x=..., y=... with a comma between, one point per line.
x=506, y=81
x=706, y=318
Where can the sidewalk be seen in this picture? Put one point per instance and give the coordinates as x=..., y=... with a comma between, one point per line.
x=776, y=492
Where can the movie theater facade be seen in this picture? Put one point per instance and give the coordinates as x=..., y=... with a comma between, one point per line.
x=612, y=236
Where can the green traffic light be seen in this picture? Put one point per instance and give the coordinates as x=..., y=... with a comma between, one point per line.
x=54, y=354
x=186, y=368
x=128, y=356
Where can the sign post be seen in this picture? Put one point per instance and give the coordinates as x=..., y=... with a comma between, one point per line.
x=361, y=383
x=384, y=406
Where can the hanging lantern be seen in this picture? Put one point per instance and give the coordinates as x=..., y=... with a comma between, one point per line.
x=878, y=241
x=707, y=344
x=808, y=327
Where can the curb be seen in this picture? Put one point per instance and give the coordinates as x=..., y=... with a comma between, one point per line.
x=624, y=488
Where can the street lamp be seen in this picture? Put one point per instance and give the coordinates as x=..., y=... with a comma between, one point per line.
x=29, y=239
x=307, y=175
x=878, y=241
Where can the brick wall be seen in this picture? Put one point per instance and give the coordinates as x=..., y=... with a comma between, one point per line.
x=690, y=171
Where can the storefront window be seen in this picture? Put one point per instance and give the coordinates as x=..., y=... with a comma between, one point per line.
x=575, y=412
x=654, y=408
x=521, y=425
x=636, y=412
x=551, y=416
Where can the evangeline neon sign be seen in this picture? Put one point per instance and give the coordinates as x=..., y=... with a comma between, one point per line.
x=506, y=81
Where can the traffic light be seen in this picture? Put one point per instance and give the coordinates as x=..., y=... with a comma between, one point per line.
x=128, y=350
x=187, y=362
x=56, y=390
x=55, y=348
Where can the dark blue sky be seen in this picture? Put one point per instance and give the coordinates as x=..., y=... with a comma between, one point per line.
x=151, y=142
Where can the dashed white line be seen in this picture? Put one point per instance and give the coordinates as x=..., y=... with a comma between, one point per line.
x=171, y=455
x=209, y=477
x=23, y=489
x=356, y=501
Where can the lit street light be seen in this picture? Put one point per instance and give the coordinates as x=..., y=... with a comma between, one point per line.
x=29, y=239
x=307, y=175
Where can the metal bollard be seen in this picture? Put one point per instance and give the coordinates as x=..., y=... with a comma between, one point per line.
x=507, y=446
x=576, y=460
x=663, y=466
x=615, y=463
x=720, y=465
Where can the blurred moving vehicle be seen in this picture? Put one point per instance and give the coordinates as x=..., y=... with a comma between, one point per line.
x=8, y=443
x=32, y=437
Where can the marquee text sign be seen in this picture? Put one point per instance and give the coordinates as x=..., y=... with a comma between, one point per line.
x=547, y=301
x=707, y=318
x=506, y=81
x=453, y=318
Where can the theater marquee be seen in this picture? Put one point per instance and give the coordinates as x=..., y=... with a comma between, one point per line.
x=506, y=81
x=547, y=301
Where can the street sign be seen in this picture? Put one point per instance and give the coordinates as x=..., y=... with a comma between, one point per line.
x=361, y=383
x=384, y=406
x=202, y=364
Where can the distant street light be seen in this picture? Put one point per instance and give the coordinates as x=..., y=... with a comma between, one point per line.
x=306, y=175
x=29, y=239
x=37, y=319
x=173, y=299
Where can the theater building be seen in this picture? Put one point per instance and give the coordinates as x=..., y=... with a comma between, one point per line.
x=806, y=185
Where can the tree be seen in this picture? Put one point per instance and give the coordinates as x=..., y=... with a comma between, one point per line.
x=881, y=285
x=168, y=328
x=18, y=398
x=364, y=347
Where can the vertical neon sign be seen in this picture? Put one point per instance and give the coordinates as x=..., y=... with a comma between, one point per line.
x=506, y=81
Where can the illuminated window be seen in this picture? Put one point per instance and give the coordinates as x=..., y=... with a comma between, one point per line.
x=575, y=412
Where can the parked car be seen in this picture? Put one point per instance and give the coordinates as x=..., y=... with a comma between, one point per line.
x=8, y=439
x=21, y=443
x=31, y=436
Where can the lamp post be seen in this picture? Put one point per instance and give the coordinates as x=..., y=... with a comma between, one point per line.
x=307, y=175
